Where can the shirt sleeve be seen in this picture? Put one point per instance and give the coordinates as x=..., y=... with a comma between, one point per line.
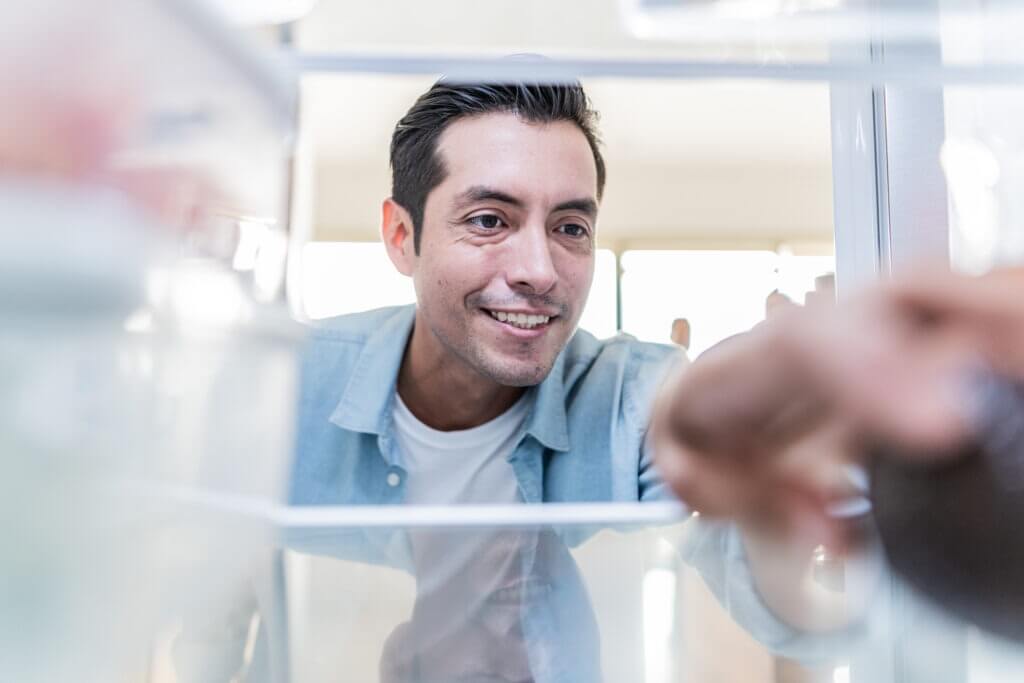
x=649, y=381
x=715, y=549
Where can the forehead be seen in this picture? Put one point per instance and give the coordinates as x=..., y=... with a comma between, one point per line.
x=533, y=161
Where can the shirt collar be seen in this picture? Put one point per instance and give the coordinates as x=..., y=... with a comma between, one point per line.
x=368, y=400
x=366, y=404
x=547, y=421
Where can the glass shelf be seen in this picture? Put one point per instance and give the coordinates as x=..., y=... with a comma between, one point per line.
x=961, y=41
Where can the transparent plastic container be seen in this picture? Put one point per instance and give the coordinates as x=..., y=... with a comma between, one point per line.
x=113, y=439
x=163, y=101
x=67, y=425
x=147, y=357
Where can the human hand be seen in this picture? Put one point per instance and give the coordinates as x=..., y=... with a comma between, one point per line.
x=761, y=426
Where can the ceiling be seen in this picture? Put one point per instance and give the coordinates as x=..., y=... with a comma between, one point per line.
x=689, y=161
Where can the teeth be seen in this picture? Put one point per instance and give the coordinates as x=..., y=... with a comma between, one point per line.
x=520, y=319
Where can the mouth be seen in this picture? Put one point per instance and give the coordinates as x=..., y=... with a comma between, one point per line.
x=521, y=321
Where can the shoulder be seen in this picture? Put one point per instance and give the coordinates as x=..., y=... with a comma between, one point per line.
x=622, y=353
x=337, y=343
x=621, y=369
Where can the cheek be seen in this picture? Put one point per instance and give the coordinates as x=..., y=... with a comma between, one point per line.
x=577, y=274
x=474, y=271
x=447, y=282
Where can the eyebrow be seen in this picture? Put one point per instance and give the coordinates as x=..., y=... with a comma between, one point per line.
x=585, y=206
x=479, y=193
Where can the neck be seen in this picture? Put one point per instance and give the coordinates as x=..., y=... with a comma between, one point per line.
x=443, y=392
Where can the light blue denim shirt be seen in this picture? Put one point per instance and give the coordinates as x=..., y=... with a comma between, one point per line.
x=583, y=441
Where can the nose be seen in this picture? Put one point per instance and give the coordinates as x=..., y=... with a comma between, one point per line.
x=530, y=268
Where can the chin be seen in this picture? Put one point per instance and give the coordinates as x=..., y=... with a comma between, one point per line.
x=518, y=374
x=520, y=381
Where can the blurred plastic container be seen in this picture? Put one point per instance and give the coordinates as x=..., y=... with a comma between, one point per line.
x=146, y=357
x=114, y=443
x=160, y=99
x=64, y=426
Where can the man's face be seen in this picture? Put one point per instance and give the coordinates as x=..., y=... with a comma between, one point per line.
x=507, y=251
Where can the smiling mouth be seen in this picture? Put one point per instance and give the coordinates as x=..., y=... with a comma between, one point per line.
x=523, y=321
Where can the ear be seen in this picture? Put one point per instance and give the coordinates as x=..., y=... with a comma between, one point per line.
x=397, y=232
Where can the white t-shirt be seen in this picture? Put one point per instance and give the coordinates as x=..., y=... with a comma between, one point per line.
x=462, y=568
x=466, y=466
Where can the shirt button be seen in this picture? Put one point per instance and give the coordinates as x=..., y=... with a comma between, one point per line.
x=393, y=479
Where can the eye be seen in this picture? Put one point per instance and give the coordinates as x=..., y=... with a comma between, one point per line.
x=573, y=229
x=487, y=221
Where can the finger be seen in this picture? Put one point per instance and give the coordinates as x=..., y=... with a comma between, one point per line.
x=991, y=307
x=738, y=393
x=919, y=400
x=943, y=293
x=710, y=486
x=819, y=461
x=887, y=375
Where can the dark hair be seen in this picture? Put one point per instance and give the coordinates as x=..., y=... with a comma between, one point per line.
x=416, y=168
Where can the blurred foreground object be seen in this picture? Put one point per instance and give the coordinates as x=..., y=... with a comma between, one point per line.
x=950, y=520
x=923, y=372
x=165, y=105
x=953, y=528
x=146, y=358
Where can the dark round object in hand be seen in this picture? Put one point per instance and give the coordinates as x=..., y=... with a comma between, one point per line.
x=955, y=531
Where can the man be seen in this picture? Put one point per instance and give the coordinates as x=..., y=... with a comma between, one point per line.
x=484, y=391
x=493, y=215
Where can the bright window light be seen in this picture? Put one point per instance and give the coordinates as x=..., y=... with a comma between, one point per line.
x=659, y=596
x=346, y=277
x=721, y=293
x=599, y=315
x=797, y=274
